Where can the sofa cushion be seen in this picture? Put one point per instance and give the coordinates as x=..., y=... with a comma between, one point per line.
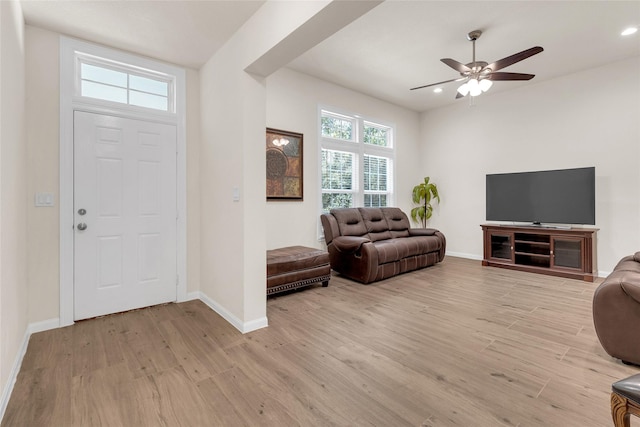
x=389, y=251
x=422, y=231
x=396, y=249
x=397, y=222
x=628, y=263
x=349, y=244
x=636, y=256
x=376, y=224
x=350, y=222
x=294, y=258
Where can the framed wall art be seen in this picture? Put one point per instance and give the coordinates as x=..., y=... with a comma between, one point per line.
x=284, y=165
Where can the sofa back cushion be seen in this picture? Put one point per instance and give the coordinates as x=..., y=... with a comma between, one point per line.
x=350, y=222
x=330, y=227
x=376, y=224
x=397, y=222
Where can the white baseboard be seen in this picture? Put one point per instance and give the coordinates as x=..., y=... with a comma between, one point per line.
x=255, y=325
x=192, y=295
x=32, y=328
x=464, y=255
x=243, y=327
x=44, y=325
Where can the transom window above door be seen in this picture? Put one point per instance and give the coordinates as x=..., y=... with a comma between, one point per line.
x=109, y=81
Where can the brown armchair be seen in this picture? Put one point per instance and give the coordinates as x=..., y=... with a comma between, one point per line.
x=616, y=311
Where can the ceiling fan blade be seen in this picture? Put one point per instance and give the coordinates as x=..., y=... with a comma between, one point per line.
x=458, y=66
x=459, y=95
x=516, y=57
x=510, y=76
x=439, y=83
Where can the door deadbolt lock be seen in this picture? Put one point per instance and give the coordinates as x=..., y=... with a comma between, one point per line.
x=82, y=226
x=82, y=211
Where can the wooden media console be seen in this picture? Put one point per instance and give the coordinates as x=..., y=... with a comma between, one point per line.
x=560, y=252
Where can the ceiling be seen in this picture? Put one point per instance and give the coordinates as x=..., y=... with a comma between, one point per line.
x=395, y=46
x=182, y=32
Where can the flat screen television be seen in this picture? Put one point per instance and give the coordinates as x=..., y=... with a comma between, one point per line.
x=565, y=196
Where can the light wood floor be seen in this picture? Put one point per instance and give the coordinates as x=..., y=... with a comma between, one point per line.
x=456, y=344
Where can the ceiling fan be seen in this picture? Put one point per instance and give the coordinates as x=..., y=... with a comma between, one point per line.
x=478, y=76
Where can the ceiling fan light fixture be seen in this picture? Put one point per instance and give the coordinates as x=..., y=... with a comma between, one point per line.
x=474, y=87
x=463, y=89
x=485, y=84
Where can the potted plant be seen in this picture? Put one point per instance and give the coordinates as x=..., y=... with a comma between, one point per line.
x=423, y=193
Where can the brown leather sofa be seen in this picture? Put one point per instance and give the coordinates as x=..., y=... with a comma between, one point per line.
x=616, y=311
x=371, y=244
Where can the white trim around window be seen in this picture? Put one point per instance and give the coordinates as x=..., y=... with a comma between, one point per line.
x=354, y=173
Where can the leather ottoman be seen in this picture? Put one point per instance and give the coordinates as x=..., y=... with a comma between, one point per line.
x=296, y=266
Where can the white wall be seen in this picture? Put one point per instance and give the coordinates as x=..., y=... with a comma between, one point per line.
x=591, y=118
x=43, y=120
x=227, y=161
x=233, y=106
x=292, y=104
x=13, y=178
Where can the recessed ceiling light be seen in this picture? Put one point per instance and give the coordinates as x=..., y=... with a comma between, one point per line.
x=437, y=90
x=629, y=31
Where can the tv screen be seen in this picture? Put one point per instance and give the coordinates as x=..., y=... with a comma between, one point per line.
x=565, y=196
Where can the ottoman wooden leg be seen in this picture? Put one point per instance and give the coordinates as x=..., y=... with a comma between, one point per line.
x=619, y=411
x=622, y=409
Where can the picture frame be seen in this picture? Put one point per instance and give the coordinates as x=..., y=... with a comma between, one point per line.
x=284, y=165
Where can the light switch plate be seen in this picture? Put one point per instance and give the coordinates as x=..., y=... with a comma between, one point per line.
x=44, y=199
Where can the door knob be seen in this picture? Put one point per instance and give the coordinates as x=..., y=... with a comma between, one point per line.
x=82, y=226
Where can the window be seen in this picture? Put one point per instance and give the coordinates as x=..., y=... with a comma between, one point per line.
x=124, y=84
x=356, y=162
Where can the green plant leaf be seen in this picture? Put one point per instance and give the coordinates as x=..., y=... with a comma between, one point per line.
x=417, y=213
x=423, y=194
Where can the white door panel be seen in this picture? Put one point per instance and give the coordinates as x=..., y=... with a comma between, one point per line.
x=125, y=180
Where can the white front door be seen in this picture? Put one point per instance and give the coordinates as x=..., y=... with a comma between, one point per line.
x=125, y=214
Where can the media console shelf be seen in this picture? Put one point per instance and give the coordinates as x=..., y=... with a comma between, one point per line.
x=567, y=253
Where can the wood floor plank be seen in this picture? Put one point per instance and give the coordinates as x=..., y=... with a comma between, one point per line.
x=41, y=397
x=101, y=398
x=288, y=384
x=252, y=405
x=201, y=344
x=357, y=406
x=188, y=360
x=145, y=349
x=456, y=344
x=212, y=325
x=177, y=400
x=48, y=349
x=93, y=345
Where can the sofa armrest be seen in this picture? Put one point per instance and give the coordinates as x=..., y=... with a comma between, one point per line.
x=631, y=286
x=349, y=244
x=422, y=231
